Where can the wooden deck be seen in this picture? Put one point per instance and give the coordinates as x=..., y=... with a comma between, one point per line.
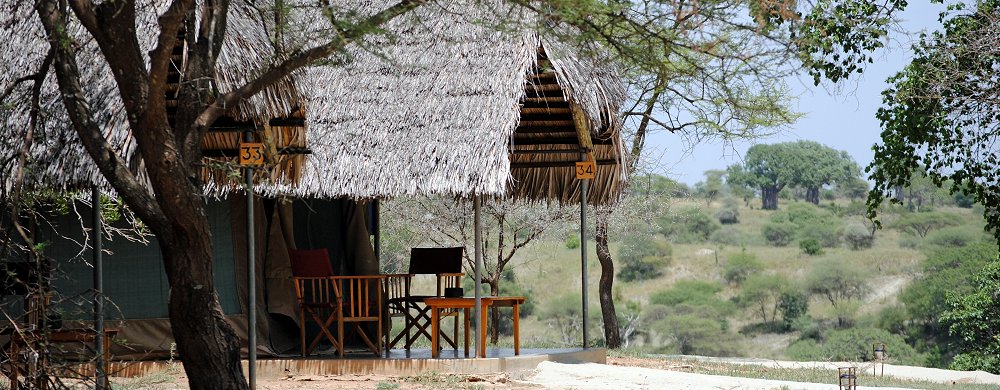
x=399, y=362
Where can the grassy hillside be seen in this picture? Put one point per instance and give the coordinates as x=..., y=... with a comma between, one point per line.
x=708, y=314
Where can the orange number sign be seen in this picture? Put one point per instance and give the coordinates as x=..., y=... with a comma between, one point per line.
x=251, y=153
x=585, y=170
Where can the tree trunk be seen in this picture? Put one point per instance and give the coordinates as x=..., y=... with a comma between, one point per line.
x=769, y=197
x=812, y=195
x=612, y=331
x=207, y=344
x=494, y=319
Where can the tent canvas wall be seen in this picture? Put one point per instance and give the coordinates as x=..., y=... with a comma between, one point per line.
x=137, y=288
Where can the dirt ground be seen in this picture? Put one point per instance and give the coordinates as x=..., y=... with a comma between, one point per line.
x=620, y=373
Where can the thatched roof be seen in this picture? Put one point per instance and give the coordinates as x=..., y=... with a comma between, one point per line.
x=448, y=101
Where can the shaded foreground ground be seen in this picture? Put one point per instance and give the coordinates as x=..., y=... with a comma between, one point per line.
x=624, y=373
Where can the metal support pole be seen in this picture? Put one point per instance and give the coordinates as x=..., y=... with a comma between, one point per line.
x=98, y=247
x=251, y=279
x=583, y=253
x=480, y=328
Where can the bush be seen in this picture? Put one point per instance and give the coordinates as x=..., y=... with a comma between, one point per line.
x=827, y=234
x=855, y=345
x=740, y=266
x=964, y=201
x=694, y=335
x=804, y=214
x=858, y=236
x=685, y=291
x=729, y=213
x=642, y=258
x=693, y=297
x=762, y=295
x=779, y=233
x=688, y=225
x=974, y=318
x=729, y=235
x=811, y=247
x=572, y=241
x=954, y=237
x=792, y=305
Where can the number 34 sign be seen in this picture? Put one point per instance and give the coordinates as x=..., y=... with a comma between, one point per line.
x=585, y=170
x=251, y=153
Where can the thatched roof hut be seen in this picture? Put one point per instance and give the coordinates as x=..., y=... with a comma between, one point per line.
x=456, y=98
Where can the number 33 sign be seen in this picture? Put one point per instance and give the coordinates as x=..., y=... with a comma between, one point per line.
x=585, y=170
x=251, y=153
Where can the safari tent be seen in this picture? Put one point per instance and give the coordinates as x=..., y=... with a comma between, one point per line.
x=453, y=99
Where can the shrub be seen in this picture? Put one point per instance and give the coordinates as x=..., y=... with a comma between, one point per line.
x=688, y=225
x=974, y=318
x=855, y=345
x=729, y=235
x=792, y=305
x=642, y=258
x=685, y=291
x=811, y=247
x=826, y=234
x=695, y=294
x=762, y=295
x=779, y=233
x=858, y=236
x=964, y=201
x=729, y=213
x=954, y=237
x=740, y=266
x=803, y=214
x=694, y=335
x=572, y=241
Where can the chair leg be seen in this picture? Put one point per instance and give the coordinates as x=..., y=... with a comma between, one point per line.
x=302, y=331
x=454, y=332
x=340, y=333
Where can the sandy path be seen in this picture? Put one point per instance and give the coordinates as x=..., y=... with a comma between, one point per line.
x=601, y=376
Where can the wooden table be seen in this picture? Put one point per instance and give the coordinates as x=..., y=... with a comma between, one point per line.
x=466, y=304
x=28, y=339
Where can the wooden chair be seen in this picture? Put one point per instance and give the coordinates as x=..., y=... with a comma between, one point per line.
x=397, y=289
x=446, y=265
x=326, y=299
x=361, y=298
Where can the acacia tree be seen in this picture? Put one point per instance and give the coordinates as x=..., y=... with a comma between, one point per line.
x=769, y=168
x=166, y=192
x=939, y=115
x=806, y=164
x=829, y=167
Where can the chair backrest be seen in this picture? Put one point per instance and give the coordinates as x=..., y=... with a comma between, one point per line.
x=361, y=296
x=316, y=290
x=310, y=262
x=436, y=260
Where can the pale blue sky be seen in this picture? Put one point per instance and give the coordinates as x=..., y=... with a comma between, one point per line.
x=839, y=116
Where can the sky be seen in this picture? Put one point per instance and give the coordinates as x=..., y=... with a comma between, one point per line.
x=840, y=116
